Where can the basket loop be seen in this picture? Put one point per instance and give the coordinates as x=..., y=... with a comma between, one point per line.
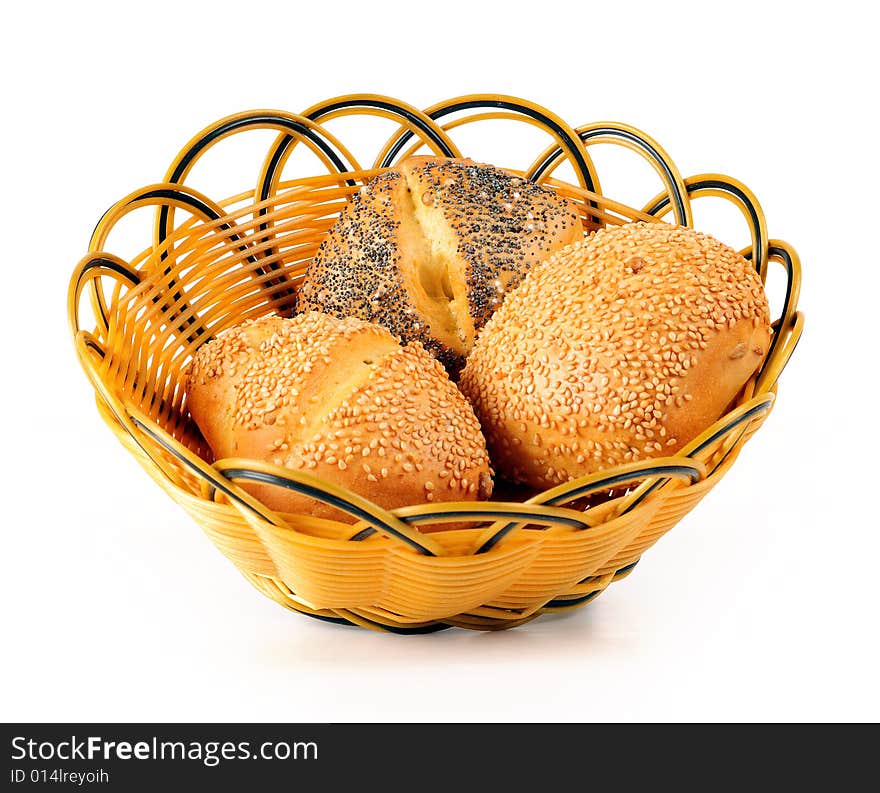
x=87, y=349
x=721, y=186
x=335, y=156
x=591, y=587
x=782, y=353
x=90, y=270
x=415, y=121
x=479, y=510
x=197, y=466
x=166, y=195
x=666, y=467
x=631, y=138
x=145, y=433
x=762, y=251
x=413, y=147
x=553, y=124
x=701, y=448
x=785, y=255
x=237, y=469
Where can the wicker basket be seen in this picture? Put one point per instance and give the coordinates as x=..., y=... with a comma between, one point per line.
x=242, y=257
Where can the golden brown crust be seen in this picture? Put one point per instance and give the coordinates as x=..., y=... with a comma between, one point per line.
x=623, y=347
x=339, y=399
x=429, y=249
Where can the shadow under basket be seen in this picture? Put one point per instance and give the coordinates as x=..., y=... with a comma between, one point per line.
x=502, y=563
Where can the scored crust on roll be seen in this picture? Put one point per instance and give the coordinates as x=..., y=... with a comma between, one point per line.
x=339, y=399
x=430, y=248
x=622, y=347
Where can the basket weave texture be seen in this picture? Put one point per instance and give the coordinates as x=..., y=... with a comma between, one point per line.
x=503, y=563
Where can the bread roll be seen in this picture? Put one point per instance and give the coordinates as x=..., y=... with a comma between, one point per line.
x=429, y=249
x=339, y=399
x=619, y=348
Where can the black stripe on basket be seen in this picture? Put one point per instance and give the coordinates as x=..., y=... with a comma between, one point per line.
x=241, y=124
x=206, y=210
x=318, y=494
x=422, y=629
x=781, y=253
x=624, y=570
x=99, y=262
x=617, y=573
x=472, y=104
x=265, y=188
x=749, y=414
x=744, y=418
x=716, y=184
x=430, y=627
x=433, y=627
x=468, y=514
x=617, y=479
x=215, y=483
x=640, y=142
x=385, y=105
x=237, y=125
x=199, y=206
x=93, y=345
x=258, y=476
x=565, y=602
x=730, y=450
x=323, y=617
x=602, y=484
x=264, y=226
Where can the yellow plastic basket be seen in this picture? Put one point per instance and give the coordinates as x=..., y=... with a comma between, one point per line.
x=504, y=562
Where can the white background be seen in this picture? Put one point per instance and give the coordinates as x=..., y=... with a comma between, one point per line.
x=760, y=605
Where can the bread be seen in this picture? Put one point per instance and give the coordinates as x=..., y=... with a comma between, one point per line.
x=622, y=347
x=429, y=249
x=341, y=400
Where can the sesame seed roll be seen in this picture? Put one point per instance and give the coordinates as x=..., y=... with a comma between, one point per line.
x=619, y=348
x=430, y=248
x=339, y=399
